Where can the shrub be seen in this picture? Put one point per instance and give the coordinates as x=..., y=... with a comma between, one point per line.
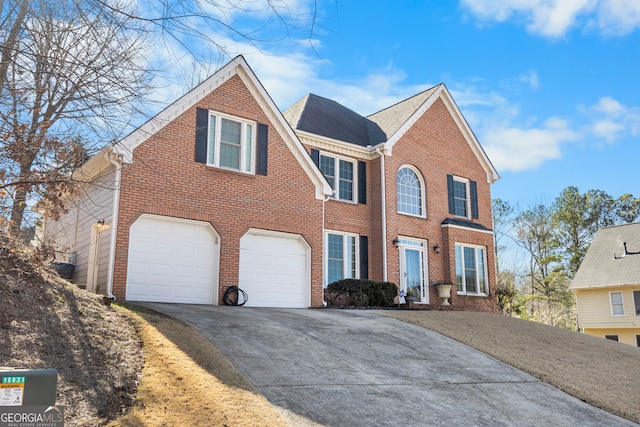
x=361, y=293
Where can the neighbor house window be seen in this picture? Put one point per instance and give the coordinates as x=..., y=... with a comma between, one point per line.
x=410, y=191
x=637, y=340
x=231, y=143
x=341, y=256
x=617, y=306
x=611, y=337
x=636, y=302
x=471, y=272
x=341, y=175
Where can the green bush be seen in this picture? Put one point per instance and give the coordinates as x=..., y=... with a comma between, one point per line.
x=362, y=293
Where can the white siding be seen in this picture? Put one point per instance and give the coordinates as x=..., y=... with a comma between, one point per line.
x=72, y=232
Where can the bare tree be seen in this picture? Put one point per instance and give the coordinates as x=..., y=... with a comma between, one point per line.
x=78, y=70
x=68, y=67
x=501, y=211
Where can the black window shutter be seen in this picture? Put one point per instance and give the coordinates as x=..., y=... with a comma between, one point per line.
x=474, y=199
x=452, y=208
x=364, y=257
x=202, y=130
x=362, y=182
x=263, y=142
x=315, y=156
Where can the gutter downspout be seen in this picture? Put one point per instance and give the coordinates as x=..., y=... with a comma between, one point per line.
x=384, y=213
x=326, y=198
x=115, y=160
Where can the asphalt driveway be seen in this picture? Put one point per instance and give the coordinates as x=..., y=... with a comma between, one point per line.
x=358, y=368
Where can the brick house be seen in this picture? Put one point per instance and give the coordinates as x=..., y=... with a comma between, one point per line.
x=221, y=188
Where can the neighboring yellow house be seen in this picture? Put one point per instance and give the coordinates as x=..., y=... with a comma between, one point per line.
x=607, y=285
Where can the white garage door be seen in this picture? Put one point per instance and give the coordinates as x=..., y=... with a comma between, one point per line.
x=274, y=269
x=172, y=260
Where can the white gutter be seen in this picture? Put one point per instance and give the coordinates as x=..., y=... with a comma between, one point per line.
x=115, y=160
x=326, y=198
x=384, y=213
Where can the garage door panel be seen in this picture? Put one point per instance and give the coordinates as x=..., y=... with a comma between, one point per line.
x=172, y=260
x=273, y=270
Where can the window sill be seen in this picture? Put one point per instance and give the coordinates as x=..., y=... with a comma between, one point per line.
x=234, y=171
x=351, y=202
x=466, y=218
x=412, y=215
x=464, y=294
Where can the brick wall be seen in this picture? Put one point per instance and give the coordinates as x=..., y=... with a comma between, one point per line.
x=164, y=179
x=435, y=147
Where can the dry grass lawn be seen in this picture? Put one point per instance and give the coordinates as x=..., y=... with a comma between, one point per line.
x=187, y=382
x=603, y=373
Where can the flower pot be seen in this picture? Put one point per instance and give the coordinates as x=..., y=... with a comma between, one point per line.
x=444, y=292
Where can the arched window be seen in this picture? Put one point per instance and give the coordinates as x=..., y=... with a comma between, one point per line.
x=410, y=192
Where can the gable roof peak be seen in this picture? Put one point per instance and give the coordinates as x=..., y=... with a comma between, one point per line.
x=420, y=96
x=392, y=118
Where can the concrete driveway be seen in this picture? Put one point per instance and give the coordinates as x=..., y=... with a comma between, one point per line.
x=358, y=368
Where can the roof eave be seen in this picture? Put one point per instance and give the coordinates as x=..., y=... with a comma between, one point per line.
x=237, y=66
x=443, y=93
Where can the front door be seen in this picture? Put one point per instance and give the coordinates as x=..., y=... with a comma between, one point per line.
x=413, y=270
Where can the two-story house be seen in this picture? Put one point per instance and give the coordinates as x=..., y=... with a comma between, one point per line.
x=221, y=188
x=607, y=285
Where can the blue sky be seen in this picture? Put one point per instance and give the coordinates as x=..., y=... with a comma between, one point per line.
x=550, y=87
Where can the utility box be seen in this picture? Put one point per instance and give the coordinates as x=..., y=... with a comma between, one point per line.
x=28, y=387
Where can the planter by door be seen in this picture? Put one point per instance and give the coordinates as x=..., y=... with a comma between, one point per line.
x=444, y=292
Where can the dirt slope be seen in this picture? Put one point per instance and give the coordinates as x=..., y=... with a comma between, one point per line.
x=45, y=322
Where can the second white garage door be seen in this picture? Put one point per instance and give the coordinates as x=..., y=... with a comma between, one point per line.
x=172, y=260
x=275, y=269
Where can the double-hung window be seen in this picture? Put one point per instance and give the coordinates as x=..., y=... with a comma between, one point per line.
x=617, y=304
x=341, y=256
x=340, y=173
x=636, y=302
x=471, y=271
x=461, y=197
x=231, y=143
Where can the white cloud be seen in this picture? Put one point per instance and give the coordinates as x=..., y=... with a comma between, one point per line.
x=609, y=106
x=618, y=17
x=554, y=18
x=607, y=130
x=288, y=78
x=517, y=149
x=609, y=119
x=531, y=79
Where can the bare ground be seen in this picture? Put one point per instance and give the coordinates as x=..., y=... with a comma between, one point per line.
x=46, y=322
x=603, y=373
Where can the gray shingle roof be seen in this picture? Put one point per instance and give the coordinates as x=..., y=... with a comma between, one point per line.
x=607, y=263
x=392, y=118
x=328, y=118
x=466, y=224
